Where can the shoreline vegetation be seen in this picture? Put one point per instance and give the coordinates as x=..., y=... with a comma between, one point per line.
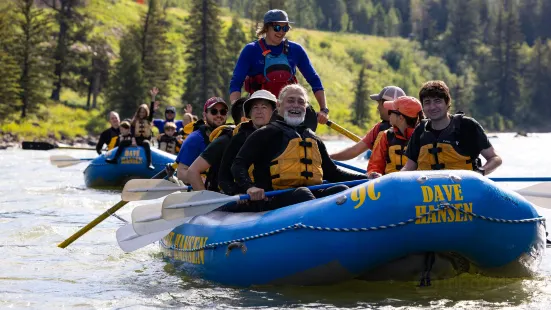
x=352, y=62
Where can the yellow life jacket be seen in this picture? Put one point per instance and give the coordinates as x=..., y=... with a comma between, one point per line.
x=112, y=143
x=142, y=129
x=169, y=144
x=444, y=151
x=186, y=130
x=300, y=162
x=396, y=154
x=221, y=130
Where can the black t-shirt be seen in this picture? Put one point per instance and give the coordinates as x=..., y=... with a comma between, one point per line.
x=106, y=136
x=213, y=155
x=472, y=139
x=225, y=176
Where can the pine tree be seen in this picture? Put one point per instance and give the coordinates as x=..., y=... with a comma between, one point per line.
x=154, y=48
x=204, y=76
x=529, y=12
x=538, y=80
x=306, y=13
x=32, y=54
x=126, y=86
x=360, y=115
x=463, y=34
x=235, y=40
x=9, y=78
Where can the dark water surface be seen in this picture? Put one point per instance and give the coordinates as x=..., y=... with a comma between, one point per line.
x=41, y=205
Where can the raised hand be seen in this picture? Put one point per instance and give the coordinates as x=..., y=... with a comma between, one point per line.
x=154, y=91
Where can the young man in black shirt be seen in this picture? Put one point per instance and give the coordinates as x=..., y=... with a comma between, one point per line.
x=447, y=141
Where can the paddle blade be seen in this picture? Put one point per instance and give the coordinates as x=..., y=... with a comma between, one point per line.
x=146, y=189
x=31, y=145
x=539, y=194
x=174, y=205
x=65, y=161
x=147, y=220
x=130, y=241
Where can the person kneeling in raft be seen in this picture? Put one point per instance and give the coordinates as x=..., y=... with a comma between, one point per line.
x=389, y=152
x=286, y=154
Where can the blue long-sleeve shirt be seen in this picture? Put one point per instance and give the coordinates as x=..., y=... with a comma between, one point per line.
x=251, y=63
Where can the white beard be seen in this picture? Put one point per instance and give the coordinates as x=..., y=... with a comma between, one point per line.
x=293, y=120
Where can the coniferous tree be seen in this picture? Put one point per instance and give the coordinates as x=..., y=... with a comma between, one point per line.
x=235, y=40
x=32, y=54
x=10, y=72
x=204, y=76
x=126, y=86
x=529, y=13
x=154, y=48
x=538, y=80
x=360, y=115
x=306, y=13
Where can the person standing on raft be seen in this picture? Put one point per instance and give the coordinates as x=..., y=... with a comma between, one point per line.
x=270, y=63
x=287, y=154
x=389, y=151
x=110, y=135
x=389, y=93
x=446, y=141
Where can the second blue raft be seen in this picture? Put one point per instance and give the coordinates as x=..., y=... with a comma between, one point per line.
x=131, y=164
x=372, y=231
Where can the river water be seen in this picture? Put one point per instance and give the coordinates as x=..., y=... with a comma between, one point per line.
x=41, y=205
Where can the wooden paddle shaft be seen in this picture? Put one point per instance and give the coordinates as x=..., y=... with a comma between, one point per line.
x=343, y=131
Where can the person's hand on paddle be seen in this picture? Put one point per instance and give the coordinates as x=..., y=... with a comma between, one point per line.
x=374, y=175
x=177, y=181
x=322, y=117
x=188, y=109
x=256, y=193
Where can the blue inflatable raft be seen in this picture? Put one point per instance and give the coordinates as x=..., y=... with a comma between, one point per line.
x=131, y=165
x=402, y=225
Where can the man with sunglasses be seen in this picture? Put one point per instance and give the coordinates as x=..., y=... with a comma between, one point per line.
x=214, y=115
x=270, y=63
x=445, y=141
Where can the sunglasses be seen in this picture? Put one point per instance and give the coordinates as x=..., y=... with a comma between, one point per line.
x=278, y=28
x=223, y=112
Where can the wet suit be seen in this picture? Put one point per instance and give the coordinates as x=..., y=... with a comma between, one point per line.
x=257, y=151
x=108, y=137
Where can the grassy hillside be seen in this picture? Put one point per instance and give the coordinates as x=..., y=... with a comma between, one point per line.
x=337, y=57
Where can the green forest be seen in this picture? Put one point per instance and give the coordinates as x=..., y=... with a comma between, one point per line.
x=65, y=63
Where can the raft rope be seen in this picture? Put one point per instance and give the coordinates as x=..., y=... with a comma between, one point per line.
x=441, y=206
x=116, y=216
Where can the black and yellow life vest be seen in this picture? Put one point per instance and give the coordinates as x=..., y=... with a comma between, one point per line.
x=444, y=151
x=299, y=164
x=122, y=138
x=169, y=144
x=186, y=130
x=142, y=129
x=396, y=154
x=112, y=143
x=211, y=181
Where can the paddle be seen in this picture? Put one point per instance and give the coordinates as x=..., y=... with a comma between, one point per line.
x=343, y=131
x=149, y=225
x=129, y=241
x=45, y=146
x=147, y=189
x=105, y=214
x=65, y=161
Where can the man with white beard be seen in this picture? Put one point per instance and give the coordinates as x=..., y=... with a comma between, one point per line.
x=286, y=154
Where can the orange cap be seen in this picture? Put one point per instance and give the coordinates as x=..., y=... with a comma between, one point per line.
x=406, y=105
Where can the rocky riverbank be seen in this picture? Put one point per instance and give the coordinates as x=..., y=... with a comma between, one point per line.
x=9, y=140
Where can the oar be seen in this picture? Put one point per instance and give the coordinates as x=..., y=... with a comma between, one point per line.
x=129, y=240
x=105, y=214
x=194, y=203
x=498, y=179
x=343, y=131
x=152, y=226
x=65, y=161
x=147, y=189
x=45, y=146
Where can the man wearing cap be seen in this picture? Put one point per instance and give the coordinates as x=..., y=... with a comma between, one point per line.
x=388, y=93
x=170, y=115
x=259, y=109
x=215, y=113
x=389, y=150
x=447, y=141
x=270, y=63
x=286, y=154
